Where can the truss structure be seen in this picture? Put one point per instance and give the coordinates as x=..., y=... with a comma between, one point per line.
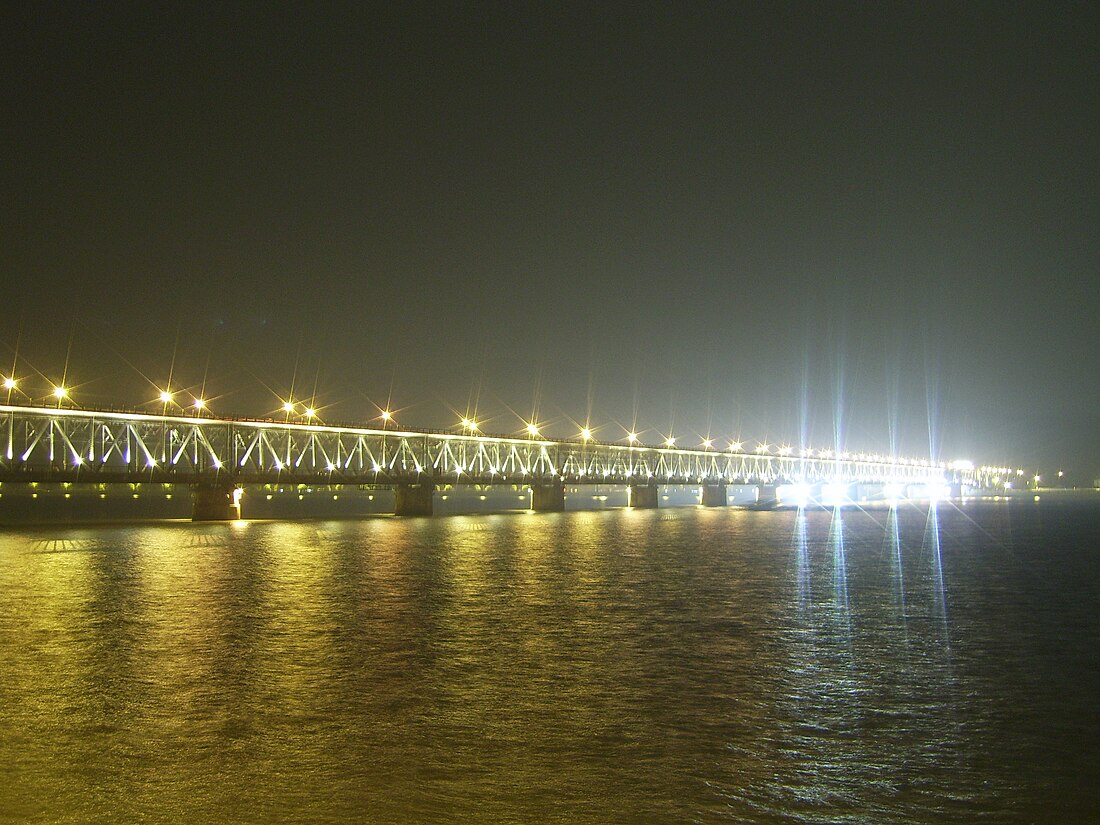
x=43, y=444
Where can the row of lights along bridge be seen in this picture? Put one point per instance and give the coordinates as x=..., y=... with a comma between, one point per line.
x=60, y=394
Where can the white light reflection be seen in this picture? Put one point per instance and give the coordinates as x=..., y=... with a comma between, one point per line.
x=939, y=592
x=840, y=571
x=803, y=559
x=893, y=538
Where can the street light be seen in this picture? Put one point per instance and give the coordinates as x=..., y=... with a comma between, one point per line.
x=586, y=434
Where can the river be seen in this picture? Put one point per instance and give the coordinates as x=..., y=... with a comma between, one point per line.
x=684, y=665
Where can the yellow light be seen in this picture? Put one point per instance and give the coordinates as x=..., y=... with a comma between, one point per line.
x=632, y=437
x=9, y=383
x=288, y=406
x=165, y=397
x=386, y=415
x=586, y=433
x=60, y=393
x=532, y=429
x=199, y=404
x=310, y=412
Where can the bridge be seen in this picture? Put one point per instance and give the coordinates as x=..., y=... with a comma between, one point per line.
x=217, y=456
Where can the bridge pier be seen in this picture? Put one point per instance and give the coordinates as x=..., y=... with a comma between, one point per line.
x=767, y=495
x=548, y=498
x=215, y=502
x=643, y=496
x=413, y=499
x=714, y=495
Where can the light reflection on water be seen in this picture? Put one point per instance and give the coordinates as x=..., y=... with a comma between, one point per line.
x=903, y=664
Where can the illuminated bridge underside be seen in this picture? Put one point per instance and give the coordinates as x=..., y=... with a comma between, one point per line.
x=41, y=444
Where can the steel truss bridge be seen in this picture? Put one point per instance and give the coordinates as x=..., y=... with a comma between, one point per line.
x=69, y=445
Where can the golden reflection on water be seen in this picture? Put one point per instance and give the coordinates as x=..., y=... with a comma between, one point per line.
x=633, y=665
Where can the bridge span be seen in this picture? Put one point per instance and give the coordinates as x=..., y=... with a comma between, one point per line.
x=217, y=456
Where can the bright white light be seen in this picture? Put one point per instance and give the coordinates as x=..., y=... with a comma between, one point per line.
x=288, y=406
x=670, y=441
x=217, y=464
x=796, y=494
x=199, y=404
x=785, y=450
x=835, y=493
x=632, y=437
x=892, y=492
x=9, y=383
x=736, y=446
x=330, y=466
x=707, y=443
x=310, y=412
x=762, y=448
x=165, y=397
x=386, y=415
x=962, y=464
x=376, y=468
x=278, y=464
x=586, y=433
x=60, y=393
x=151, y=463
x=532, y=429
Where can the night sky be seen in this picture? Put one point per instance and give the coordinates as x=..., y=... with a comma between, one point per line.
x=872, y=226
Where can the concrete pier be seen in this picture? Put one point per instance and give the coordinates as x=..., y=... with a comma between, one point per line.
x=767, y=495
x=548, y=498
x=215, y=502
x=643, y=496
x=413, y=499
x=714, y=495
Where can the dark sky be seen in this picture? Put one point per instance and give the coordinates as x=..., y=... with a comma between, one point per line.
x=872, y=225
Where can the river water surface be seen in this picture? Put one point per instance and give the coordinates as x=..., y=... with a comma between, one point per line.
x=709, y=665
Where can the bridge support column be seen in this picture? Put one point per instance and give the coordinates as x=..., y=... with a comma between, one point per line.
x=714, y=495
x=548, y=498
x=767, y=495
x=215, y=502
x=643, y=496
x=413, y=499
